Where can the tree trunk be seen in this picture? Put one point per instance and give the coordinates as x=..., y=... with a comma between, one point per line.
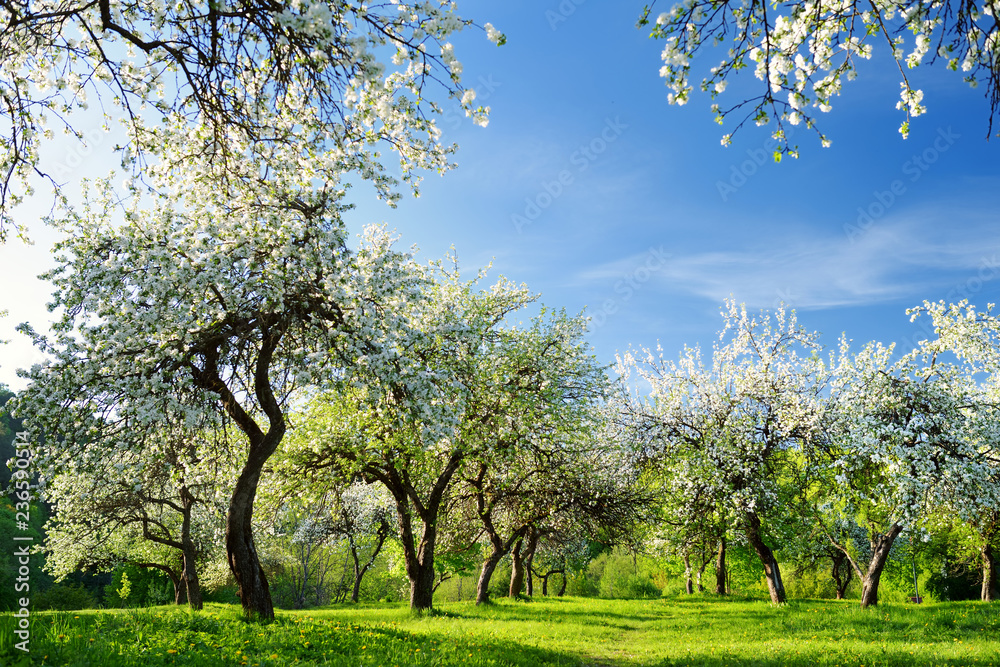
x=422, y=587
x=688, y=582
x=701, y=572
x=420, y=569
x=720, y=568
x=521, y=562
x=841, y=582
x=562, y=588
x=192, y=585
x=190, y=572
x=485, y=575
x=254, y=593
x=356, y=589
x=516, y=570
x=419, y=557
x=529, y=559
x=775, y=587
x=989, y=591
x=361, y=570
x=545, y=584
x=880, y=554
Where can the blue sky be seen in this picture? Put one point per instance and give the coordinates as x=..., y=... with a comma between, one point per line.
x=636, y=212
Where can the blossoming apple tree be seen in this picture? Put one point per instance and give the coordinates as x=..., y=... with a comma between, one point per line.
x=511, y=389
x=973, y=336
x=739, y=426
x=159, y=499
x=222, y=295
x=901, y=441
x=801, y=52
x=366, y=71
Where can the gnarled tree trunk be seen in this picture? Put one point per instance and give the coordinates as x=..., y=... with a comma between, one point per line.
x=775, y=587
x=485, y=575
x=529, y=559
x=419, y=557
x=516, y=570
x=841, y=581
x=881, y=544
x=241, y=549
x=419, y=561
x=190, y=573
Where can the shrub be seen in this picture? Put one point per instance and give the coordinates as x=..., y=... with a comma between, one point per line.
x=64, y=597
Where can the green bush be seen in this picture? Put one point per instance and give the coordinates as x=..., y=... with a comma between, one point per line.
x=142, y=587
x=622, y=575
x=813, y=583
x=64, y=597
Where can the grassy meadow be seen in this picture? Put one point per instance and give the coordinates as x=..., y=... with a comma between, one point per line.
x=700, y=630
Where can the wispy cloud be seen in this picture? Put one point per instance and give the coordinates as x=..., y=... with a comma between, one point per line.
x=906, y=259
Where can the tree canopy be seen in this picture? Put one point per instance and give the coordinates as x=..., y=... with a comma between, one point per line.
x=366, y=72
x=802, y=51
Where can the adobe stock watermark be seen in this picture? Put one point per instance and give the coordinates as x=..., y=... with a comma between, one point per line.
x=626, y=287
x=78, y=153
x=987, y=271
x=562, y=12
x=913, y=169
x=21, y=483
x=784, y=298
x=989, y=268
x=581, y=159
x=485, y=88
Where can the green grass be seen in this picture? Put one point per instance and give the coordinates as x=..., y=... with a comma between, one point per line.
x=549, y=631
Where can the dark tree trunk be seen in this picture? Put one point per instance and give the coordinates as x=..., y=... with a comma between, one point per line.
x=529, y=559
x=516, y=570
x=485, y=575
x=190, y=573
x=562, y=588
x=362, y=570
x=422, y=586
x=419, y=557
x=989, y=591
x=880, y=554
x=241, y=549
x=841, y=581
x=775, y=587
x=720, y=568
x=420, y=563
x=545, y=579
x=358, y=574
x=521, y=561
